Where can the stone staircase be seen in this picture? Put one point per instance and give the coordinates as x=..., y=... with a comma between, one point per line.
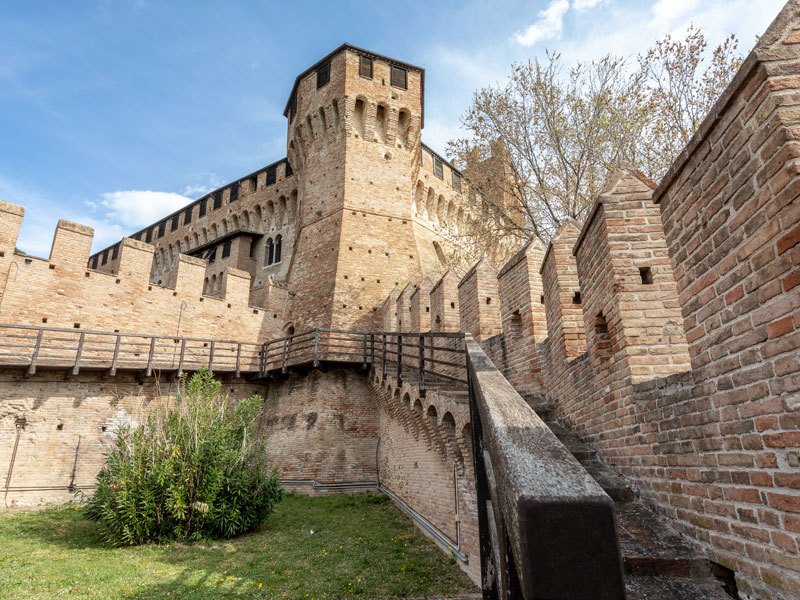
x=659, y=563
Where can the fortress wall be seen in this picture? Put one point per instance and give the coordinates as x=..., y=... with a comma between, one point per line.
x=321, y=426
x=523, y=320
x=54, y=414
x=445, y=310
x=424, y=458
x=478, y=301
x=421, y=307
x=62, y=292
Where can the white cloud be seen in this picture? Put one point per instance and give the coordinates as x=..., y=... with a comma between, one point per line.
x=580, y=5
x=137, y=208
x=549, y=25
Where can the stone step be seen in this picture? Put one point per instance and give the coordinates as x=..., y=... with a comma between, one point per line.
x=614, y=485
x=673, y=588
x=650, y=548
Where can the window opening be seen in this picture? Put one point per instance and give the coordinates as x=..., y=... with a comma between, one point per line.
x=646, y=274
x=323, y=74
x=399, y=77
x=365, y=66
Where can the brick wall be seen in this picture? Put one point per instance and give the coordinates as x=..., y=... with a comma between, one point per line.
x=321, y=426
x=62, y=292
x=56, y=414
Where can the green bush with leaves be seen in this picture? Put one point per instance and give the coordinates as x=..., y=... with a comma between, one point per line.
x=189, y=471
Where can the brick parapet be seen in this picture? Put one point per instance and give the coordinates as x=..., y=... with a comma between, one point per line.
x=62, y=292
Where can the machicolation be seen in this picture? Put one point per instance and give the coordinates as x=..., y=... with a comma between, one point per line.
x=622, y=403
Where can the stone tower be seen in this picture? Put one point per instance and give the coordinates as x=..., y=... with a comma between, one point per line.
x=353, y=140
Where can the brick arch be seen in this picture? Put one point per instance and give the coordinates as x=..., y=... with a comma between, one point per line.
x=430, y=205
x=441, y=217
x=417, y=199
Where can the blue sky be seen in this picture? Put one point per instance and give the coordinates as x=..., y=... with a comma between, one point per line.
x=115, y=112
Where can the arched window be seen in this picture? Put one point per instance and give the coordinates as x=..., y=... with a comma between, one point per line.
x=270, y=252
x=278, y=244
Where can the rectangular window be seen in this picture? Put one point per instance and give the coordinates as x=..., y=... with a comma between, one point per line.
x=174, y=225
x=226, y=249
x=94, y=261
x=323, y=74
x=217, y=200
x=288, y=169
x=149, y=237
x=203, y=207
x=399, y=77
x=234, y=193
x=115, y=252
x=292, y=107
x=105, y=257
x=137, y=236
x=212, y=256
x=456, y=181
x=187, y=216
x=272, y=172
x=365, y=66
x=437, y=167
x=162, y=227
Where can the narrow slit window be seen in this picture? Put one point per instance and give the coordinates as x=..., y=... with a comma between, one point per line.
x=187, y=216
x=288, y=171
x=105, y=257
x=162, y=227
x=94, y=261
x=115, y=252
x=174, y=224
x=217, y=200
x=226, y=249
x=278, y=244
x=202, y=211
x=365, y=66
x=272, y=173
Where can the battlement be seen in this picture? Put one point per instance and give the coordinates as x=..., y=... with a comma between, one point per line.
x=664, y=332
x=62, y=292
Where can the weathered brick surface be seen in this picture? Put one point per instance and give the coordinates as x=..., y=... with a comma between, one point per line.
x=60, y=419
x=321, y=426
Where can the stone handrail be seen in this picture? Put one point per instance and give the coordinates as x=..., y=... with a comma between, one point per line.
x=547, y=528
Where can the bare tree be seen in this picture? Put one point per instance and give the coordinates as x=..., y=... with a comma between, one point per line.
x=540, y=148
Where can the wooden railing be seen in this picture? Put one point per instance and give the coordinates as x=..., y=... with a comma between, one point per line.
x=426, y=357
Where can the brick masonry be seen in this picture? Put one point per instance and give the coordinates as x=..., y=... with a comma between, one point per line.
x=664, y=330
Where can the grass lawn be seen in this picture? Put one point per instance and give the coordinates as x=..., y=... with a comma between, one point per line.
x=362, y=546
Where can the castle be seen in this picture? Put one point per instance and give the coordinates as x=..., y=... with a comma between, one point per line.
x=612, y=413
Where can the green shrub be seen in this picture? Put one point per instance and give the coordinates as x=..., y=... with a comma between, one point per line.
x=193, y=470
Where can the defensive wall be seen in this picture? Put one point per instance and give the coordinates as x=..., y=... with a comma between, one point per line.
x=665, y=331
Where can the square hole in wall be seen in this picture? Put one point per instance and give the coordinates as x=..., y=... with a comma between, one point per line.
x=86, y=274
x=44, y=319
x=646, y=275
x=488, y=300
x=77, y=325
x=452, y=305
x=541, y=299
x=576, y=298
